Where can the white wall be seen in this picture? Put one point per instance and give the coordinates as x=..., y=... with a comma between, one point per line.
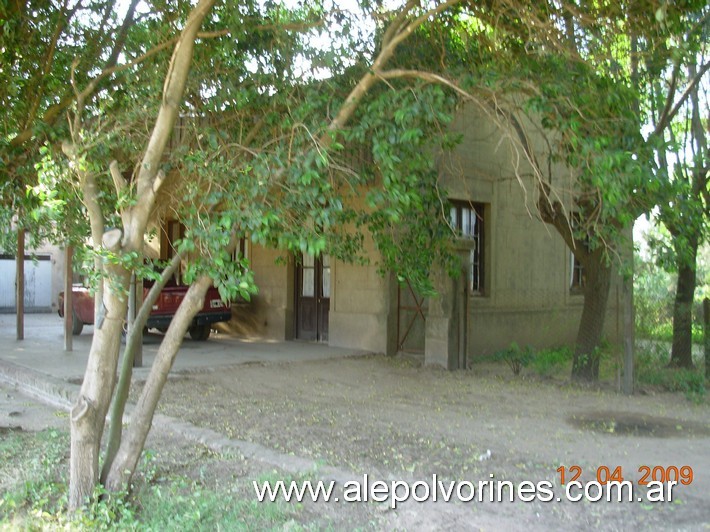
x=38, y=284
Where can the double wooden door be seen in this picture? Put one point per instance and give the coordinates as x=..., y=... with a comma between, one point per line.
x=313, y=297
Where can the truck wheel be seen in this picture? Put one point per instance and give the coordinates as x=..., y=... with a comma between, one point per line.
x=200, y=332
x=76, y=324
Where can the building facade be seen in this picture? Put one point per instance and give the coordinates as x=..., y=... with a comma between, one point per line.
x=519, y=281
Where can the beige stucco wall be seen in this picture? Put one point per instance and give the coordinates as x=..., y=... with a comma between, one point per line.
x=269, y=314
x=362, y=308
x=527, y=297
x=57, y=258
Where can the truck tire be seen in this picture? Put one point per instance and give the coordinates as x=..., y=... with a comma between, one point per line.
x=200, y=333
x=76, y=324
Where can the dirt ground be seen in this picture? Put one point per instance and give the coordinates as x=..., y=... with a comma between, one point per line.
x=391, y=419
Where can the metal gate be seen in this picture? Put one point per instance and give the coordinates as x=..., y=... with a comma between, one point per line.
x=38, y=284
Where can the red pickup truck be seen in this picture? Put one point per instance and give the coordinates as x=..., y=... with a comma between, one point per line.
x=213, y=311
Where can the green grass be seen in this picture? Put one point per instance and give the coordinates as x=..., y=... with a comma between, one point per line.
x=549, y=362
x=33, y=496
x=663, y=332
x=32, y=473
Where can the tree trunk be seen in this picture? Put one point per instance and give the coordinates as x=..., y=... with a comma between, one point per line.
x=133, y=340
x=682, y=350
x=124, y=465
x=585, y=366
x=89, y=413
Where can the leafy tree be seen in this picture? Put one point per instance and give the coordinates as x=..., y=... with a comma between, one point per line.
x=44, y=44
x=261, y=153
x=685, y=209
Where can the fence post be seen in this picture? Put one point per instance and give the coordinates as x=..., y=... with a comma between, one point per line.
x=627, y=383
x=68, y=299
x=20, y=283
x=706, y=334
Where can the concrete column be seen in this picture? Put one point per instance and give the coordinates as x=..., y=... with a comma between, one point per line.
x=446, y=321
x=441, y=340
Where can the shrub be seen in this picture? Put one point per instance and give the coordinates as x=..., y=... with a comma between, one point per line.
x=652, y=370
x=515, y=357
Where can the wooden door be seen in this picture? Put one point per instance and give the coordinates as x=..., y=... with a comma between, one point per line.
x=313, y=297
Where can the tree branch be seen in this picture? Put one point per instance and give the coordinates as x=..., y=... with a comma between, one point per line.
x=36, y=95
x=119, y=182
x=111, y=68
x=396, y=24
x=670, y=113
x=124, y=380
x=387, y=51
x=173, y=90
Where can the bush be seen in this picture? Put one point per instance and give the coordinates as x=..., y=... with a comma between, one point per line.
x=652, y=370
x=515, y=357
x=654, y=289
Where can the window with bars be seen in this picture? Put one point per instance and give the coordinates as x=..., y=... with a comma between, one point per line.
x=467, y=218
x=577, y=279
x=577, y=275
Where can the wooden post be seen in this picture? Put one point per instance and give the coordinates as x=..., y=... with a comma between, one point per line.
x=138, y=355
x=706, y=335
x=131, y=318
x=20, y=283
x=462, y=294
x=68, y=304
x=627, y=384
x=133, y=306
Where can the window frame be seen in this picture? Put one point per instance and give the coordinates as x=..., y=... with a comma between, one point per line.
x=577, y=277
x=468, y=220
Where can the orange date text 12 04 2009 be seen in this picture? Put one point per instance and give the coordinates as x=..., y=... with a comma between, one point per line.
x=645, y=474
